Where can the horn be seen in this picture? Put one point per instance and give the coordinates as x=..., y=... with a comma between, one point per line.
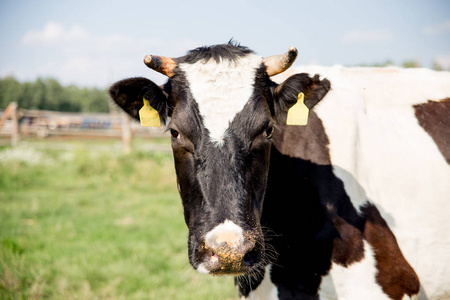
x=277, y=64
x=161, y=64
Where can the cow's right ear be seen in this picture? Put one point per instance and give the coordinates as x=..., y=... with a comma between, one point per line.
x=129, y=94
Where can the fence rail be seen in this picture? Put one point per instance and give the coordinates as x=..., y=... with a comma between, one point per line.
x=43, y=124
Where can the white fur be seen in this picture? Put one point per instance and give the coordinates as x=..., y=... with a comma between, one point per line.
x=327, y=290
x=227, y=232
x=356, y=281
x=383, y=155
x=221, y=90
x=413, y=297
x=352, y=188
x=266, y=290
x=202, y=269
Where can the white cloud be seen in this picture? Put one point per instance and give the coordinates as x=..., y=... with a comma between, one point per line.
x=54, y=33
x=77, y=40
x=442, y=28
x=86, y=59
x=366, y=37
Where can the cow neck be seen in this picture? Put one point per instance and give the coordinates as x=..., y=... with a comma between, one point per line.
x=311, y=222
x=301, y=190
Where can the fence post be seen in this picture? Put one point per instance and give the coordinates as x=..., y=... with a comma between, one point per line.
x=15, y=125
x=11, y=111
x=126, y=134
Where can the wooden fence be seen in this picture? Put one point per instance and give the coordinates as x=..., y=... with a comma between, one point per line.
x=21, y=123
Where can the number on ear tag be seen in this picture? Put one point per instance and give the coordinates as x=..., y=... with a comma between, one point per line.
x=148, y=115
x=298, y=114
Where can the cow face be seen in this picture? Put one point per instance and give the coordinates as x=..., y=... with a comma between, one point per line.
x=223, y=108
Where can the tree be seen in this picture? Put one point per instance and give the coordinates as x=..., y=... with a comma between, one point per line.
x=10, y=91
x=437, y=66
x=386, y=63
x=49, y=94
x=27, y=99
x=411, y=64
x=38, y=94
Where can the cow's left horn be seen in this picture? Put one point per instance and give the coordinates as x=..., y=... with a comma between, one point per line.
x=161, y=64
x=277, y=64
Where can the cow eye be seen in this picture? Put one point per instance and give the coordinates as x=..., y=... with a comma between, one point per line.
x=174, y=133
x=269, y=132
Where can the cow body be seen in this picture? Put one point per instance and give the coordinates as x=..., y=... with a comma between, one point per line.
x=383, y=156
x=302, y=212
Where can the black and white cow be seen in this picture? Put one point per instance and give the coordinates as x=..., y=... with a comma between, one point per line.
x=289, y=210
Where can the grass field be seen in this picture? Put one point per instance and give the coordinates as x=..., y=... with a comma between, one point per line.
x=78, y=223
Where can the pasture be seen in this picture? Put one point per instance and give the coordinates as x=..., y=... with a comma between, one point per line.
x=81, y=220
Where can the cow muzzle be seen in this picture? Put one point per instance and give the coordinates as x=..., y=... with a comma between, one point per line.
x=227, y=249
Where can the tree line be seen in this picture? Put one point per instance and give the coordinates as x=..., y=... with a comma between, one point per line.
x=49, y=94
x=406, y=64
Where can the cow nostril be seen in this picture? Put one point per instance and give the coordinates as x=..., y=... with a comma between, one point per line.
x=251, y=257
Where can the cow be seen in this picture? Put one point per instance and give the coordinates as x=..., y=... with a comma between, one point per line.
x=309, y=211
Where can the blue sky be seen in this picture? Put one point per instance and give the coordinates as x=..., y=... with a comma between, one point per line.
x=93, y=43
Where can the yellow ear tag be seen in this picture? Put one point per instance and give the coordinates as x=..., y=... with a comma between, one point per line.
x=298, y=114
x=148, y=115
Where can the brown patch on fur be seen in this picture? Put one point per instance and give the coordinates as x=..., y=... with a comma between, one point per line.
x=434, y=117
x=349, y=247
x=395, y=276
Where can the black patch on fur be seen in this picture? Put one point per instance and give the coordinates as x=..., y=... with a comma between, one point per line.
x=299, y=191
x=230, y=51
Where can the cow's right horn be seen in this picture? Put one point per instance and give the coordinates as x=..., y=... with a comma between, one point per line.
x=161, y=64
x=277, y=64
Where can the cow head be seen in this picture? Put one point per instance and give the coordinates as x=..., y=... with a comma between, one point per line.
x=221, y=109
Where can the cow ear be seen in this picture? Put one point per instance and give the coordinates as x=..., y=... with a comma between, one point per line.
x=129, y=94
x=286, y=94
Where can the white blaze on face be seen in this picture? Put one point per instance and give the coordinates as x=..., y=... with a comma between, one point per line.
x=227, y=232
x=221, y=90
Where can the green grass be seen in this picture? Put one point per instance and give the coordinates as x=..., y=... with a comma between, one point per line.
x=80, y=224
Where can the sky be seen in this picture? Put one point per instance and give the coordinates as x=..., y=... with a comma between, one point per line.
x=95, y=43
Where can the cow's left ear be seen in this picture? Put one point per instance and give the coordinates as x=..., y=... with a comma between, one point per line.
x=286, y=94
